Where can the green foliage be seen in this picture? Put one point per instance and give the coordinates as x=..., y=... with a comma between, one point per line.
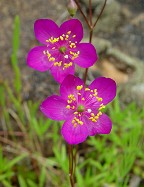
x=111, y=158
x=14, y=60
x=38, y=156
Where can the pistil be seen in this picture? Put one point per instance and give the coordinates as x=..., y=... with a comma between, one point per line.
x=80, y=108
x=62, y=49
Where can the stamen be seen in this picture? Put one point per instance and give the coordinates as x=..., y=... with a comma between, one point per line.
x=79, y=87
x=68, y=106
x=67, y=65
x=87, y=89
x=58, y=63
x=77, y=121
x=68, y=32
x=61, y=38
x=94, y=118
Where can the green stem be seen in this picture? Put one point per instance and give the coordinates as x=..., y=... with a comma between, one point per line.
x=100, y=14
x=86, y=71
x=71, y=164
x=85, y=18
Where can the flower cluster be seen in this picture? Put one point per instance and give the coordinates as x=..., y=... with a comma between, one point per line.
x=79, y=106
x=61, y=48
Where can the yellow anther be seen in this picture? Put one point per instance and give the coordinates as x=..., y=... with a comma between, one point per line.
x=100, y=113
x=101, y=107
x=69, y=101
x=67, y=65
x=75, y=113
x=83, y=99
x=71, y=96
x=76, y=119
x=58, y=63
x=79, y=93
x=95, y=94
x=94, y=120
x=87, y=89
x=73, y=121
x=74, y=36
x=61, y=38
x=99, y=99
x=68, y=106
x=72, y=45
x=67, y=36
x=92, y=114
x=73, y=107
x=80, y=122
x=53, y=40
x=68, y=32
x=96, y=117
x=79, y=87
x=51, y=59
x=48, y=54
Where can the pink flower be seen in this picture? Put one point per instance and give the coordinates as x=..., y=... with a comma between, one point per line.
x=81, y=107
x=61, y=48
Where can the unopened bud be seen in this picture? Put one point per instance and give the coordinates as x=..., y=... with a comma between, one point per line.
x=71, y=7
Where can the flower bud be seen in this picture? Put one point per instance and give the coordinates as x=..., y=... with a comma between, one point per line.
x=71, y=7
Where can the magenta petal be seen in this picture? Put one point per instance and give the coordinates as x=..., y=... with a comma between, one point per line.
x=102, y=126
x=44, y=29
x=75, y=26
x=106, y=88
x=74, y=135
x=37, y=60
x=87, y=56
x=59, y=74
x=69, y=85
x=54, y=107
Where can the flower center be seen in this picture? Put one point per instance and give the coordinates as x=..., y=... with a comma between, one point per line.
x=62, y=49
x=80, y=108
